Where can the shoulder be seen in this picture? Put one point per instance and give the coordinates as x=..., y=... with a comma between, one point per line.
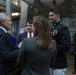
x=29, y=40
x=2, y=32
x=62, y=28
x=22, y=34
x=29, y=43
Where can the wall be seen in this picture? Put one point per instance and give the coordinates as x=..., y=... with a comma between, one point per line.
x=70, y=22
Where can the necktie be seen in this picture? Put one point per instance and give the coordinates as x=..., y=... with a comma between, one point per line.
x=8, y=35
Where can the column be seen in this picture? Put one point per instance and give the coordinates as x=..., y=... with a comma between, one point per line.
x=9, y=7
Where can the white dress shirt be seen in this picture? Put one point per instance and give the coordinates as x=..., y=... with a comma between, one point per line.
x=28, y=34
x=3, y=29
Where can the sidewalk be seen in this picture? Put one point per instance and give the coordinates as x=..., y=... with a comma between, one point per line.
x=70, y=68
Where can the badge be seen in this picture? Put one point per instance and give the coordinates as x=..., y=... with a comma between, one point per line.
x=54, y=32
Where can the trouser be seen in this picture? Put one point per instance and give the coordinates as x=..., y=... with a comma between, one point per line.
x=75, y=61
x=57, y=71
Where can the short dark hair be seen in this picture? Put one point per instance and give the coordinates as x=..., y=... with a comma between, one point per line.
x=55, y=10
x=30, y=21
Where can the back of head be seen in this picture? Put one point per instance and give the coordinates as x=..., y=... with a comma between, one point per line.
x=3, y=16
x=5, y=21
x=41, y=25
x=30, y=21
x=42, y=32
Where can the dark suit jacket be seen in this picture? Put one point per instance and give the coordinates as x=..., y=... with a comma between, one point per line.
x=8, y=53
x=21, y=37
x=13, y=39
x=36, y=61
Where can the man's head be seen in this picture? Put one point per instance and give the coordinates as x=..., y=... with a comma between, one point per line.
x=54, y=15
x=5, y=21
x=28, y=27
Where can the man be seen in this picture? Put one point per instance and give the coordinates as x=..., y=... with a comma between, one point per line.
x=61, y=35
x=27, y=32
x=8, y=53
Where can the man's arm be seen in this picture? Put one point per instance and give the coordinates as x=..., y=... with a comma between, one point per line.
x=65, y=40
x=6, y=53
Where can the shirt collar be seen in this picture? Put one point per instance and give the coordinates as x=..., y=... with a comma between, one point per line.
x=3, y=29
x=56, y=23
x=32, y=34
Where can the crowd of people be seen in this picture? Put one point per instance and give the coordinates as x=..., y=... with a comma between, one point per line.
x=40, y=50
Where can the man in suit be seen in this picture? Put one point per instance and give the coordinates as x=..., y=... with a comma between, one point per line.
x=8, y=53
x=26, y=33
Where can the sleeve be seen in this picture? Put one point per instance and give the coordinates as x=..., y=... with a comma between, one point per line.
x=5, y=52
x=65, y=40
x=22, y=55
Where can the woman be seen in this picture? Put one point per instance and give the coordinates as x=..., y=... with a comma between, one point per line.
x=37, y=52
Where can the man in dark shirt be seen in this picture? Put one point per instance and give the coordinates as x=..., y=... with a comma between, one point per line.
x=61, y=35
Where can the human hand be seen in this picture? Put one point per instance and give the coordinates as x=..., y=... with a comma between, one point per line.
x=19, y=45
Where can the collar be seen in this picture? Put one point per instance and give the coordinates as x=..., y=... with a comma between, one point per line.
x=55, y=24
x=28, y=34
x=3, y=29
